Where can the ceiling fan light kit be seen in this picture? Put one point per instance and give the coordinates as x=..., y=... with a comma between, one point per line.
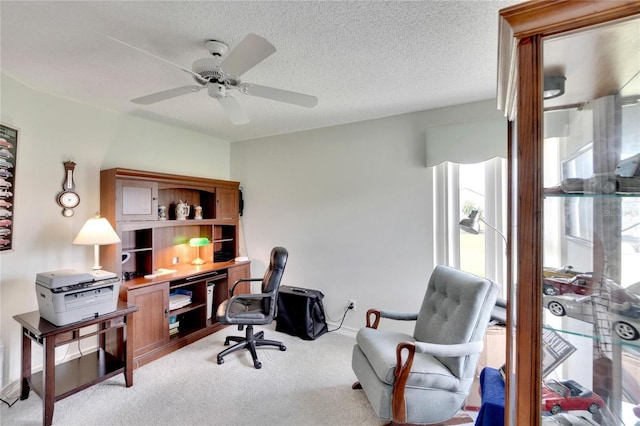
x=553, y=86
x=216, y=48
x=221, y=73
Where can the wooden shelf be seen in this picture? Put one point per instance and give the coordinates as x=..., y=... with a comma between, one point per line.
x=80, y=373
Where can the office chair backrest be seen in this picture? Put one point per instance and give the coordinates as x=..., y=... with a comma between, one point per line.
x=456, y=309
x=273, y=276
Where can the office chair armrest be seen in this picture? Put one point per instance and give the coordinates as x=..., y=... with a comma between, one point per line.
x=242, y=280
x=377, y=314
x=459, y=349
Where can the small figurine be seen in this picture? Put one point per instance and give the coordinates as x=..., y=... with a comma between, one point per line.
x=162, y=212
x=197, y=212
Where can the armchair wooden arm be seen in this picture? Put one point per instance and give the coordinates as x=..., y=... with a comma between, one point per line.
x=375, y=313
x=398, y=408
x=378, y=314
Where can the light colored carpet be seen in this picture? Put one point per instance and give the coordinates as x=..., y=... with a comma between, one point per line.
x=308, y=384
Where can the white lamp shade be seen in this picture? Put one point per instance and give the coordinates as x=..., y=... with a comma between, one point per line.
x=96, y=231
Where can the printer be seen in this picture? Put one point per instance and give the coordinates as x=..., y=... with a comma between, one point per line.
x=70, y=295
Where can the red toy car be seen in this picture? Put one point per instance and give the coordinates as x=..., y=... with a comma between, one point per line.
x=580, y=284
x=569, y=395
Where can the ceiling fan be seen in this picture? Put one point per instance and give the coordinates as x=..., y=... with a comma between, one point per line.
x=220, y=74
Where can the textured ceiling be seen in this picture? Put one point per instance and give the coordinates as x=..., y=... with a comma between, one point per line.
x=362, y=59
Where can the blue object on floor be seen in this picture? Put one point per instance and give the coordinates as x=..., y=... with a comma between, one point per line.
x=492, y=398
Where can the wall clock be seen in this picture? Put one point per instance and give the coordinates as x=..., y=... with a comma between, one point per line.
x=68, y=199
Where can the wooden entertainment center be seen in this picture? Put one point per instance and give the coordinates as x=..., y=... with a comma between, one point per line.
x=154, y=259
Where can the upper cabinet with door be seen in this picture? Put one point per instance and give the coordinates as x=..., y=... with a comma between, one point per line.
x=569, y=81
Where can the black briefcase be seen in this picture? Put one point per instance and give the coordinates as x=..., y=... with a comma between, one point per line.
x=301, y=313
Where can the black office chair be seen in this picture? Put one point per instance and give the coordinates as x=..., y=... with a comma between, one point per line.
x=254, y=309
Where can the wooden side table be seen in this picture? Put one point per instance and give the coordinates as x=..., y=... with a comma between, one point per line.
x=56, y=382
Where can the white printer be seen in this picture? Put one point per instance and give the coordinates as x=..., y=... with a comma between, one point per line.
x=69, y=295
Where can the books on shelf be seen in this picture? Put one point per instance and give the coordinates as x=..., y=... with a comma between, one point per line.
x=174, y=325
x=179, y=298
x=173, y=322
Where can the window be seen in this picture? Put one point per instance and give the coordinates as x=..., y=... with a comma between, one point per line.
x=459, y=189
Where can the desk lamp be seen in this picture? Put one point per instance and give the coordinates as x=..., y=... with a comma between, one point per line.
x=198, y=242
x=97, y=232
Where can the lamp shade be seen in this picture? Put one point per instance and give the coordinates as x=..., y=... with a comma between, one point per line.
x=96, y=231
x=199, y=242
x=471, y=223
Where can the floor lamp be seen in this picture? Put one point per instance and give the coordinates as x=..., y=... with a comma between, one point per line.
x=471, y=224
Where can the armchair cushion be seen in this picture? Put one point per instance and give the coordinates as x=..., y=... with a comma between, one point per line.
x=379, y=347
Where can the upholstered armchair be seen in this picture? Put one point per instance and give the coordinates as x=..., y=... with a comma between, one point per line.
x=425, y=378
x=247, y=310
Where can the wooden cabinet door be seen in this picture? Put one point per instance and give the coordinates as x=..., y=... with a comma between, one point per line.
x=136, y=200
x=151, y=323
x=227, y=203
x=237, y=272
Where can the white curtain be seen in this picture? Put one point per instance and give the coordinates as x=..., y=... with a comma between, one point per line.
x=467, y=143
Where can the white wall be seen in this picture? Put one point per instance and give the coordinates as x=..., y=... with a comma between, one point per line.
x=53, y=130
x=352, y=204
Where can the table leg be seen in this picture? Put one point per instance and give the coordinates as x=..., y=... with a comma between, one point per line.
x=49, y=378
x=128, y=349
x=26, y=364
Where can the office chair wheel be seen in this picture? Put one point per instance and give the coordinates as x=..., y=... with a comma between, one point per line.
x=220, y=361
x=283, y=348
x=257, y=365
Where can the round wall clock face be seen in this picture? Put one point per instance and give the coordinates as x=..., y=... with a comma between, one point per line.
x=68, y=199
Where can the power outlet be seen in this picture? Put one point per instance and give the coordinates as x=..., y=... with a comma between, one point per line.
x=352, y=304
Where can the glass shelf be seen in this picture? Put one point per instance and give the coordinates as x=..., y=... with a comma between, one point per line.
x=631, y=344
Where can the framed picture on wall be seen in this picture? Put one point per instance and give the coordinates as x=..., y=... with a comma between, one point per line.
x=8, y=155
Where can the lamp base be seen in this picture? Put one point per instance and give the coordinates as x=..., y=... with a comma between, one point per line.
x=198, y=261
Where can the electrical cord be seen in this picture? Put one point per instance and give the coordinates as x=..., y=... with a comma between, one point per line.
x=347, y=309
x=8, y=403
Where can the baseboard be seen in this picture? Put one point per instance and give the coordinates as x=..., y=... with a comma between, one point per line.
x=347, y=331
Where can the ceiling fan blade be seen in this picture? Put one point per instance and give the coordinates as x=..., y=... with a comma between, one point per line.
x=279, y=95
x=165, y=94
x=197, y=76
x=250, y=52
x=233, y=109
